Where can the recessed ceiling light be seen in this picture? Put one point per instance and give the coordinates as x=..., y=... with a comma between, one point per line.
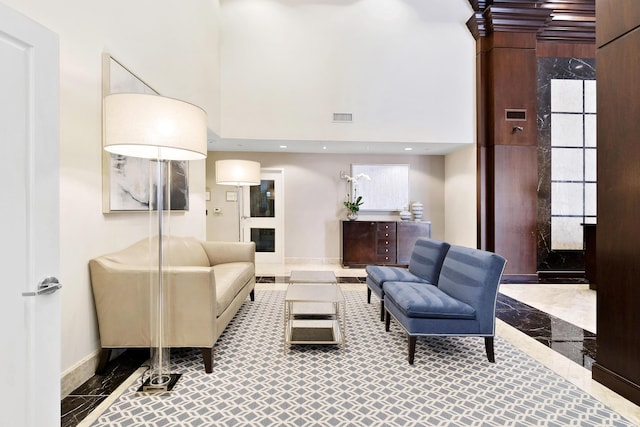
x=324, y=147
x=283, y=146
x=408, y=149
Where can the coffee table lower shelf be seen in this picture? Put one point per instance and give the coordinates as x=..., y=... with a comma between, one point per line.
x=314, y=331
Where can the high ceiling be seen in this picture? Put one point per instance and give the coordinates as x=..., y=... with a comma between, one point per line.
x=551, y=20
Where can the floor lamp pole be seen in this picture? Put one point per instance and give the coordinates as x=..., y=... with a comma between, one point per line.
x=239, y=201
x=160, y=378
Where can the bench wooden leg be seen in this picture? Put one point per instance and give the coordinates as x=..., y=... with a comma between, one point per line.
x=368, y=295
x=381, y=310
x=412, y=348
x=387, y=321
x=105, y=355
x=207, y=358
x=252, y=295
x=488, y=345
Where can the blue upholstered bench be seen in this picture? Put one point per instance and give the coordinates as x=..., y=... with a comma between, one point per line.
x=424, y=267
x=463, y=303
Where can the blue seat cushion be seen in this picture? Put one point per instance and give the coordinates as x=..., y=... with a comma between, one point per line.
x=426, y=301
x=381, y=274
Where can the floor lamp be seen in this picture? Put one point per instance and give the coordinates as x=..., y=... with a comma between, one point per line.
x=239, y=173
x=159, y=129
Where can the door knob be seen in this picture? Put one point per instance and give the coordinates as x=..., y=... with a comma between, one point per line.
x=48, y=285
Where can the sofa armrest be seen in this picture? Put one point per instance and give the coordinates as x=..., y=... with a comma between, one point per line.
x=122, y=298
x=225, y=252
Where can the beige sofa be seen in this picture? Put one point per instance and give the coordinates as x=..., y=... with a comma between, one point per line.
x=205, y=282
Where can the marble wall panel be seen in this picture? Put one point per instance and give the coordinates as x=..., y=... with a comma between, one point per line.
x=549, y=69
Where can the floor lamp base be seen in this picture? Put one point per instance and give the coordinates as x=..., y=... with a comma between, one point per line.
x=147, y=387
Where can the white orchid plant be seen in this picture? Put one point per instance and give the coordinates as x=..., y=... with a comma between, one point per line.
x=354, y=205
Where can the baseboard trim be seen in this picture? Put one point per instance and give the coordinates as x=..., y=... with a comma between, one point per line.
x=78, y=374
x=519, y=278
x=619, y=384
x=75, y=376
x=322, y=261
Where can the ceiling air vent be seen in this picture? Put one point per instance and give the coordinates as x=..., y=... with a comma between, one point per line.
x=343, y=117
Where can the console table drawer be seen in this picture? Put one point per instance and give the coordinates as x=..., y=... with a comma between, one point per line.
x=388, y=227
x=386, y=247
x=385, y=259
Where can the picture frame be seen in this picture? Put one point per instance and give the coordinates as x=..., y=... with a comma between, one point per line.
x=128, y=182
x=387, y=190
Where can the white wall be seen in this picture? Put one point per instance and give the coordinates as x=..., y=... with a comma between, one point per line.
x=460, y=197
x=288, y=65
x=314, y=194
x=173, y=46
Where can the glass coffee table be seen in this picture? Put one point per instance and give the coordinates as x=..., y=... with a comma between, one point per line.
x=314, y=309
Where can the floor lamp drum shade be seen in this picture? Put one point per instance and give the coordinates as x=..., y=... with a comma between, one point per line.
x=154, y=127
x=237, y=172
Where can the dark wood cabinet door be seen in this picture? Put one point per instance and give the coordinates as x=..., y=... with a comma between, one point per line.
x=358, y=243
x=408, y=233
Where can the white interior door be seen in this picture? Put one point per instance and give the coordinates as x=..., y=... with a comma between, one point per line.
x=263, y=216
x=29, y=221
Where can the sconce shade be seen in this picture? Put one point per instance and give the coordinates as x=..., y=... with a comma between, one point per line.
x=154, y=127
x=237, y=172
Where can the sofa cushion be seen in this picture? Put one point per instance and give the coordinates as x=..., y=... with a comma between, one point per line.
x=471, y=275
x=185, y=251
x=381, y=274
x=230, y=279
x=427, y=258
x=426, y=301
x=182, y=251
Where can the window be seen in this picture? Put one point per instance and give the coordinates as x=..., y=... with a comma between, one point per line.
x=573, y=161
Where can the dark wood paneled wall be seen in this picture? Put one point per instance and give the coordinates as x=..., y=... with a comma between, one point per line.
x=565, y=50
x=507, y=162
x=618, y=231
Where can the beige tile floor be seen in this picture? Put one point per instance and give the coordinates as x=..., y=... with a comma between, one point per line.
x=573, y=303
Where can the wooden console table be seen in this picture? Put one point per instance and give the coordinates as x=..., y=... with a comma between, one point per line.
x=380, y=242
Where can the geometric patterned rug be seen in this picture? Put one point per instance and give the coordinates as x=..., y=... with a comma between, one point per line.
x=368, y=383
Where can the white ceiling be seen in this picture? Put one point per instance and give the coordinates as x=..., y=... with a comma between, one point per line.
x=430, y=12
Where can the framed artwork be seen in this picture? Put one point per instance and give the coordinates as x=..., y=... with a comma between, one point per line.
x=129, y=183
x=386, y=191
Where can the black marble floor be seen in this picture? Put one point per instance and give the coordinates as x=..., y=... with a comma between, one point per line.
x=574, y=343
x=81, y=401
x=565, y=338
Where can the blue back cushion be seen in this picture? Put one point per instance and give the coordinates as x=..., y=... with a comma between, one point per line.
x=472, y=276
x=427, y=257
